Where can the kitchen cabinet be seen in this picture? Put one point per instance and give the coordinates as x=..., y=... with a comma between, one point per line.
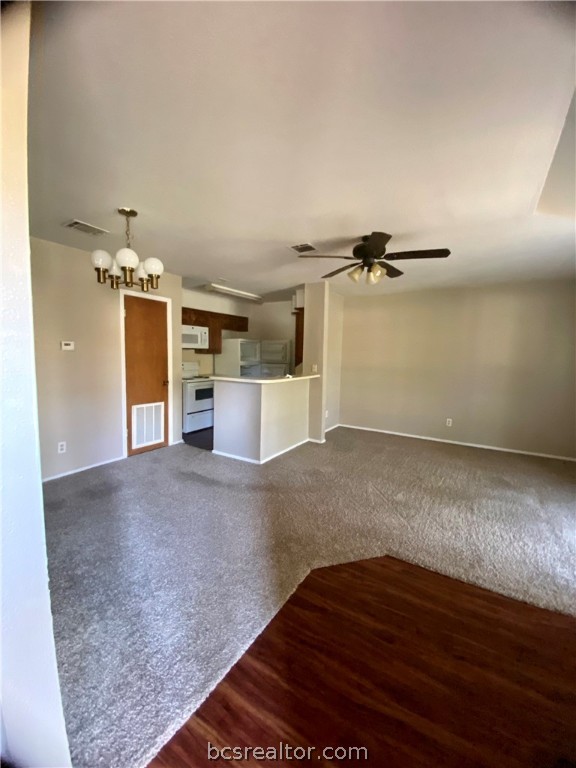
x=216, y=322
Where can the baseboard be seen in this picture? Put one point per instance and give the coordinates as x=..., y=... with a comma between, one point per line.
x=93, y=466
x=457, y=442
x=312, y=440
x=233, y=456
x=82, y=469
x=262, y=461
x=331, y=428
x=296, y=445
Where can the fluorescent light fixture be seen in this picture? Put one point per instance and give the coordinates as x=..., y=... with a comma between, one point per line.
x=217, y=288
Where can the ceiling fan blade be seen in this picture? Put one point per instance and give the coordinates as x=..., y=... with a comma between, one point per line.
x=377, y=241
x=321, y=256
x=337, y=271
x=389, y=269
x=339, y=244
x=438, y=253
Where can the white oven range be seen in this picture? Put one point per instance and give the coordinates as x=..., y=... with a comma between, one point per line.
x=197, y=399
x=197, y=404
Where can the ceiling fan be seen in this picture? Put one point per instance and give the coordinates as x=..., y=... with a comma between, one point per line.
x=371, y=253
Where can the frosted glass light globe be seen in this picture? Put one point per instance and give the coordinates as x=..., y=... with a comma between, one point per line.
x=126, y=257
x=114, y=270
x=101, y=259
x=153, y=266
x=374, y=276
x=141, y=273
x=354, y=275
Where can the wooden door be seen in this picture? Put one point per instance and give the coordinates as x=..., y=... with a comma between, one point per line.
x=146, y=353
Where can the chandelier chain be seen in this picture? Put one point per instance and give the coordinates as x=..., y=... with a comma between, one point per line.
x=128, y=243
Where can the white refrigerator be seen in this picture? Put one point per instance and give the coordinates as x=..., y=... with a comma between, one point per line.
x=253, y=359
x=239, y=357
x=276, y=357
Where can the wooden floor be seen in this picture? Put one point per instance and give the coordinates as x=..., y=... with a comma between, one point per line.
x=422, y=670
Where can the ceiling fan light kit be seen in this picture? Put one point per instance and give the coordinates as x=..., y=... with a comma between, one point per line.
x=126, y=264
x=355, y=273
x=374, y=275
x=370, y=252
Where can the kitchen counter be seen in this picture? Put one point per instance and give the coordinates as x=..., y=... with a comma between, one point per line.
x=268, y=380
x=255, y=421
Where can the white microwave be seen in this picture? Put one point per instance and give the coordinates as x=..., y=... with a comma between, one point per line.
x=195, y=337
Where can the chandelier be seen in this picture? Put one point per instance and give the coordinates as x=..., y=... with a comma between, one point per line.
x=126, y=263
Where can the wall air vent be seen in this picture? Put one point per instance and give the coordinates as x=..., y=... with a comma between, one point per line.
x=303, y=248
x=147, y=424
x=82, y=226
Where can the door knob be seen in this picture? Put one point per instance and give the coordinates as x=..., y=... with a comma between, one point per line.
x=165, y=382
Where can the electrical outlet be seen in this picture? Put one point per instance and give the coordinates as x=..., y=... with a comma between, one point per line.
x=448, y=422
x=314, y=368
x=62, y=447
x=326, y=414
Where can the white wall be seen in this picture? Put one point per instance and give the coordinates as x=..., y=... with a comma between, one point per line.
x=334, y=357
x=499, y=360
x=80, y=392
x=559, y=192
x=33, y=729
x=272, y=320
x=316, y=298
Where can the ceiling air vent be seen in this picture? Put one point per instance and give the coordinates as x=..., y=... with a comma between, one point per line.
x=82, y=226
x=303, y=248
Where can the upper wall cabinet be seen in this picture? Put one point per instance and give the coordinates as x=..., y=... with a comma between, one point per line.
x=216, y=322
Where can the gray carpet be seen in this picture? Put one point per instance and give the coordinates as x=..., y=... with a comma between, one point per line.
x=165, y=567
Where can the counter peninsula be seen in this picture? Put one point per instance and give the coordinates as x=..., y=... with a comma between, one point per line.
x=256, y=420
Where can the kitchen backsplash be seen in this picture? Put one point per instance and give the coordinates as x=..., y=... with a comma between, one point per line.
x=206, y=362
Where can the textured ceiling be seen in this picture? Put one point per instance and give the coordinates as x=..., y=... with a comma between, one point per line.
x=237, y=129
